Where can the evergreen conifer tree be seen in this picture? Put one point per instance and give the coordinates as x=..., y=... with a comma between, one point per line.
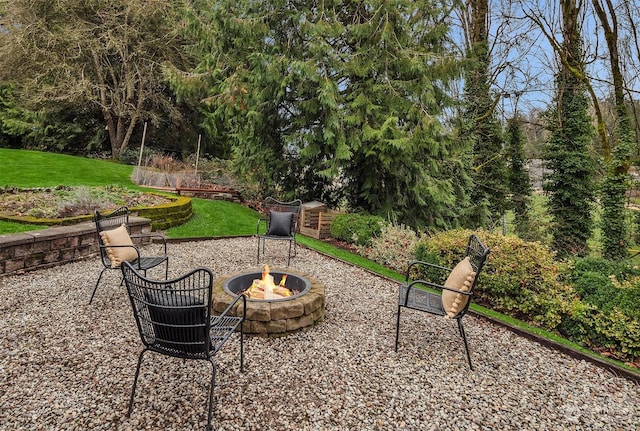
x=335, y=100
x=519, y=180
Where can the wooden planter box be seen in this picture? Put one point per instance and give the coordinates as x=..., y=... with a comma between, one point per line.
x=315, y=220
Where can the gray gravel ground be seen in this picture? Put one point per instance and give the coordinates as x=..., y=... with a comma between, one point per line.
x=67, y=365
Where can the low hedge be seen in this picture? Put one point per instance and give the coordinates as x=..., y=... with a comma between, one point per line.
x=607, y=317
x=588, y=301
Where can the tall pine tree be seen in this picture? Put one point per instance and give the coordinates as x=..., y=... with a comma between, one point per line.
x=335, y=100
x=481, y=127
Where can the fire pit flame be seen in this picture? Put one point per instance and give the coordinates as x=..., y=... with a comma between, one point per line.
x=266, y=288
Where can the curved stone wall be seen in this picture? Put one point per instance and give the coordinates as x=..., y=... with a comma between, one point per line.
x=276, y=318
x=164, y=216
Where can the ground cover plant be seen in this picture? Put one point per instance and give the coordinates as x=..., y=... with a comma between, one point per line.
x=66, y=201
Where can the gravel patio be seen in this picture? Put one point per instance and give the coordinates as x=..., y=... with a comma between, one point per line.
x=67, y=365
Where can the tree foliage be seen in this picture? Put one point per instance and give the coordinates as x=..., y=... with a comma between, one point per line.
x=95, y=55
x=333, y=100
x=571, y=182
x=518, y=178
x=615, y=229
x=480, y=124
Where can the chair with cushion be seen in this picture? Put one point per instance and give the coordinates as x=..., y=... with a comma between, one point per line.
x=280, y=223
x=451, y=299
x=174, y=319
x=116, y=244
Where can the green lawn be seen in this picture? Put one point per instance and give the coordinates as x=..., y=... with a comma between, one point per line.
x=22, y=168
x=216, y=218
x=9, y=227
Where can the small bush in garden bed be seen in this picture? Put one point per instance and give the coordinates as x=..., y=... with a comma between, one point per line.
x=358, y=229
x=608, y=318
x=394, y=247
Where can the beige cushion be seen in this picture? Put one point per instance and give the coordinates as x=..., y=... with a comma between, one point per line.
x=117, y=255
x=461, y=278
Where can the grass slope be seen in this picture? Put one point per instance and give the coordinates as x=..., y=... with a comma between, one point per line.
x=21, y=168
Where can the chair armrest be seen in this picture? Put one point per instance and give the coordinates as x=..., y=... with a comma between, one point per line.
x=105, y=254
x=221, y=316
x=154, y=236
x=417, y=263
x=120, y=246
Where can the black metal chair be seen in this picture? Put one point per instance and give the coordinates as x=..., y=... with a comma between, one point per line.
x=452, y=298
x=280, y=223
x=116, y=245
x=174, y=319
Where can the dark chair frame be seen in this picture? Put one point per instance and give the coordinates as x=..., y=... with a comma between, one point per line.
x=264, y=223
x=173, y=317
x=414, y=294
x=114, y=220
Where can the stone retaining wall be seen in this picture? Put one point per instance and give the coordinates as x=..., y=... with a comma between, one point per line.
x=38, y=249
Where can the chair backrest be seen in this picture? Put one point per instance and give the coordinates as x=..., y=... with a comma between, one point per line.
x=109, y=221
x=477, y=253
x=173, y=316
x=273, y=208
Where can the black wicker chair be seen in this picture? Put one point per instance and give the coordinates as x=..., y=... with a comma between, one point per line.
x=280, y=223
x=174, y=319
x=110, y=253
x=452, y=298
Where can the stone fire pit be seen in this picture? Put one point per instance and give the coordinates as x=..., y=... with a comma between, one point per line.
x=274, y=317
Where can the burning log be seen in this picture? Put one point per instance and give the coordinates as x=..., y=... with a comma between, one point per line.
x=265, y=288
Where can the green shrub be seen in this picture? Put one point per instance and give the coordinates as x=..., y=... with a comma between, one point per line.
x=619, y=269
x=423, y=253
x=609, y=318
x=393, y=247
x=520, y=278
x=590, y=301
x=358, y=229
x=607, y=284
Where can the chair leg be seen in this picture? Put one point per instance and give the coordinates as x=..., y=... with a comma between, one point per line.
x=242, y=347
x=289, y=256
x=397, y=327
x=258, y=259
x=466, y=345
x=97, y=283
x=135, y=382
x=213, y=382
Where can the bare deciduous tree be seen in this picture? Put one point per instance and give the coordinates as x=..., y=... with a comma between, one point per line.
x=109, y=54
